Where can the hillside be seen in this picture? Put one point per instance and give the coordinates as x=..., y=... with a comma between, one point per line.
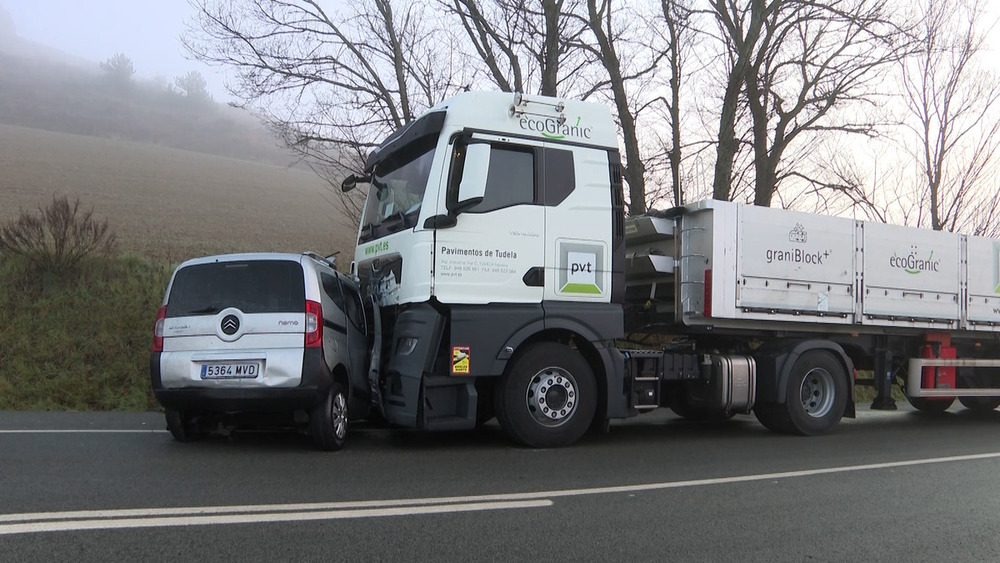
x=169, y=203
x=43, y=88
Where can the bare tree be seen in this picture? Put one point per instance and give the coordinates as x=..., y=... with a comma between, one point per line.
x=797, y=61
x=676, y=20
x=331, y=85
x=984, y=218
x=741, y=28
x=952, y=103
x=522, y=44
x=627, y=60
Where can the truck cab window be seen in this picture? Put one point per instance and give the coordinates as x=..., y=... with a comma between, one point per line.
x=510, y=180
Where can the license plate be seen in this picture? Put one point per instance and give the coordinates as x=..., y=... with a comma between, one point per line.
x=230, y=370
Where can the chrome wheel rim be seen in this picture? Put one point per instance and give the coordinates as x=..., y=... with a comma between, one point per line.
x=551, y=396
x=338, y=414
x=817, y=392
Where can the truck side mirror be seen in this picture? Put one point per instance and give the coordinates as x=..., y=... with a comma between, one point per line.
x=467, y=184
x=351, y=182
x=474, y=172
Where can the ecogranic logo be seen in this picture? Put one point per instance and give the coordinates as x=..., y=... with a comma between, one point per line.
x=377, y=247
x=552, y=128
x=912, y=264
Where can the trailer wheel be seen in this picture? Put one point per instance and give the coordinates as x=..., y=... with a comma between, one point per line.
x=815, y=396
x=328, y=420
x=547, y=397
x=182, y=426
x=977, y=404
x=930, y=406
x=980, y=404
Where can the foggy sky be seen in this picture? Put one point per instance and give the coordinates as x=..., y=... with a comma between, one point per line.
x=147, y=31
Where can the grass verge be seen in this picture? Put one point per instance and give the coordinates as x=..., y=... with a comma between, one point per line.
x=80, y=339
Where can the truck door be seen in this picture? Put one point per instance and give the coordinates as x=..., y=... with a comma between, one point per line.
x=578, y=221
x=495, y=252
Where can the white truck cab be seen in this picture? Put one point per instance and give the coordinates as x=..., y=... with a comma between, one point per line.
x=486, y=234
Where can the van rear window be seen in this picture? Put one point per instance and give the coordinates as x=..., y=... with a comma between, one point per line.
x=263, y=286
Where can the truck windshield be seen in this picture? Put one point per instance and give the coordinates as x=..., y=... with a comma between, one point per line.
x=397, y=190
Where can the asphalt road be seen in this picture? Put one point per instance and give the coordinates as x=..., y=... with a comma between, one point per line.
x=887, y=486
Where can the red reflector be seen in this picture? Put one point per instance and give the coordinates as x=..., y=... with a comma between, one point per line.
x=161, y=316
x=708, y=293
x=314, y=324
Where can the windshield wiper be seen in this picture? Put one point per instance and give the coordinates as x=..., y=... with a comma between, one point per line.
x=370, y=227
x=207, y=310
x=395, y=222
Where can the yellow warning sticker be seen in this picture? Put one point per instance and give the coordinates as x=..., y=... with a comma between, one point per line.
x=460, y=359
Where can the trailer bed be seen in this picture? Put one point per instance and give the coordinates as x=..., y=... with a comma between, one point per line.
x=715, y=264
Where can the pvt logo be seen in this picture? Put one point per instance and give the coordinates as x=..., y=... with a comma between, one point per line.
x=579, y=269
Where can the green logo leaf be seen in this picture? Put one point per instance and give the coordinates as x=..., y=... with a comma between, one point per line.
x=582, y=288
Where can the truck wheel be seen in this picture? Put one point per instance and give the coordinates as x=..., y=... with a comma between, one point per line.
x=816, y=394
x=182, y=426
x=547, y=397
x=328, y=420
x=980, y=404
x=683, y=408
x=928, y=405
x=774, y=417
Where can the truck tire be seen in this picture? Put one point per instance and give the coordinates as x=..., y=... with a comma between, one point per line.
x=547, y=397
x=328, y=420
x=683, y=409
x=977, y=404
x=815, y=397
x=980, y=404
x=930, y=406
x=182, y=426
x=774, y=417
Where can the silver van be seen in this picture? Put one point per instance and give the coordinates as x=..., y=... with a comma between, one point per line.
x=262, y=338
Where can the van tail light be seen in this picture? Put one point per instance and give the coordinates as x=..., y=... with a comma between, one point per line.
x=314, y=325
x=161, y=316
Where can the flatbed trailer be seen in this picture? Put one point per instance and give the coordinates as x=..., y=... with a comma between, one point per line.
x=899, y=302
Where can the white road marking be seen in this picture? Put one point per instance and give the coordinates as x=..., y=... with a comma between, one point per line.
x=96, y=431
x=116, y=524
x=210, y=515
x=136, y=431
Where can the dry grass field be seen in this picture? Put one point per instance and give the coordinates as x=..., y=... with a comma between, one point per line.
x=171, y=204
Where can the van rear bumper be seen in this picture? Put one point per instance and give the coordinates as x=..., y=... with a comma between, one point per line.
x=311, y=391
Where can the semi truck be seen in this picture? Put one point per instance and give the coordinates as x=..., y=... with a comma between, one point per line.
x=502, y=278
